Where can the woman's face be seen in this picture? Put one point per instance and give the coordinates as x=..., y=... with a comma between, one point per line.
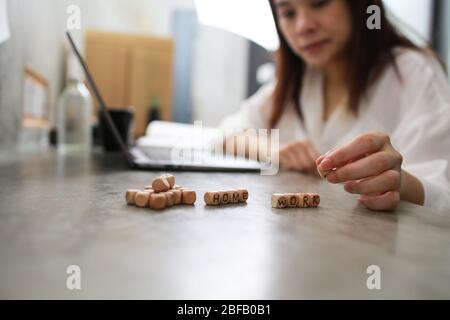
x=316, y=30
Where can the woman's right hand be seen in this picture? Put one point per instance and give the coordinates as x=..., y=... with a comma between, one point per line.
x=299, y=156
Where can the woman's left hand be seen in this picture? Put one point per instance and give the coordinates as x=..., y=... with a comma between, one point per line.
x=368, y=166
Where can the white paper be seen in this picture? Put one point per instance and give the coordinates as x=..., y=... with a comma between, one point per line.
x=4, y=27
x=163, y=134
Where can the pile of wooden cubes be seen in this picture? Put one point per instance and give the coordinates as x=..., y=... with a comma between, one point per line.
x=161, y=194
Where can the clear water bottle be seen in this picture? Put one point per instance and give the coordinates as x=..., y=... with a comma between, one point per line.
x=74, y=112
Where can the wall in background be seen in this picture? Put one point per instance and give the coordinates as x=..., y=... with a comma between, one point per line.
x=415, y=15
x=219, y=55
x=442, y=34
x=37, y=39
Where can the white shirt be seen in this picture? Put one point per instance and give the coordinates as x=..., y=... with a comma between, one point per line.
x=414, y=111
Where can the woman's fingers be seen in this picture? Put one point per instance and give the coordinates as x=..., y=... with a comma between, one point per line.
x=364, y=144
x=284, y=159
x=387, y=181
x=287, y=159
x=284, y=156
x=297, y=156
x=319, y=160
x=388, y=201
x=371, y=165
x=301, y=160
x=321, y=157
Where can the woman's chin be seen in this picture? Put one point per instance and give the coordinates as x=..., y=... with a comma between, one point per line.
x=318, y=57
x=316, y=63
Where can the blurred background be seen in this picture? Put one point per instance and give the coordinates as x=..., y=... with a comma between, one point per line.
x=191, y=60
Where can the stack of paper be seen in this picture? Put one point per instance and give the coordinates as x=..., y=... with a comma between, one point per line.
x=163, y=134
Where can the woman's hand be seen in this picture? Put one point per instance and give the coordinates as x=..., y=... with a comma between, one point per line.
x=368, y=166
x=299, y=156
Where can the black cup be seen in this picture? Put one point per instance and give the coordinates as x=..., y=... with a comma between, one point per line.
x=123, y=121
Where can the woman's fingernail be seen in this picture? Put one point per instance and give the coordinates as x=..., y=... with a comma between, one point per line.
x=361, y=202
x=332, y=177
x=348, y=187
x=319, y=160
x=326, y=164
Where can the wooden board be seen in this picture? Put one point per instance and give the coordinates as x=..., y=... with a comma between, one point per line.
x=130, y=69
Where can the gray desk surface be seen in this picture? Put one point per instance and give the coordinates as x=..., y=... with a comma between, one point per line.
x=57, y=212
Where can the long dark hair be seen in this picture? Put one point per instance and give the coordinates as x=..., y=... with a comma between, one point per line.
x=370, y=51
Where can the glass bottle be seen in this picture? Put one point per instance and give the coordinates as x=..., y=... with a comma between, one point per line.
x=74, y=112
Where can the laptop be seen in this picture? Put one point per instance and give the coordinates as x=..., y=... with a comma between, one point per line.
x=161, y=158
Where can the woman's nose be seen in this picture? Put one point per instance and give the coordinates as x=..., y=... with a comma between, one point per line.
x=305, y=23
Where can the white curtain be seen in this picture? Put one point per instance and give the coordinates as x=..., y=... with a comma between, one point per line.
x=415, y=18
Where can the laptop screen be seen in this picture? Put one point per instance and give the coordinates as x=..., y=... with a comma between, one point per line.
x=104, y=110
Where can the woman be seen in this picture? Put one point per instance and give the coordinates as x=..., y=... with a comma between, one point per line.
x=378, y=105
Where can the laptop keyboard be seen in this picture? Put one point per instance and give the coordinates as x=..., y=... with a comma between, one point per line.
x=192, y=156
x=198, y=159
x=158, y=154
